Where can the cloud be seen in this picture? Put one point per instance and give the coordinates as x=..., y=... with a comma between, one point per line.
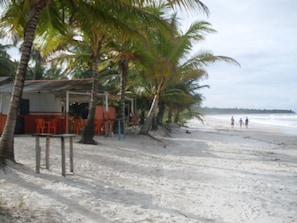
x=261, y=36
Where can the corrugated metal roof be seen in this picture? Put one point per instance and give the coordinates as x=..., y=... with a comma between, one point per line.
x=50, y=85
x=56, y=87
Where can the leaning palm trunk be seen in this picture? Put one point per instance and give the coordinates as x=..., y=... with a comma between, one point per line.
x=7, y=139
x=148, y=122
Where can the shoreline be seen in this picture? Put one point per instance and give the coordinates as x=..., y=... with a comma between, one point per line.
x=224, y=121
x=266, y=133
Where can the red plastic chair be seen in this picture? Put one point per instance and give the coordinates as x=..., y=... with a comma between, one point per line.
x=78, y=124
x=40, y=125
x=98, y=126
x=53, y=125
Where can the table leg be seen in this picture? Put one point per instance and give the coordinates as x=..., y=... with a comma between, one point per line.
x=63, y=156
x=71, y=154
x=47, y=152
x=37, y=146
x=110, y=129
x=106, y=130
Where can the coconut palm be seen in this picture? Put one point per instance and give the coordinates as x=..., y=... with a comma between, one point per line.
x=128, y=49
x=28, y=21
x=182, y=93
x=6, y=143
x=105, y=37
x=169, y=51
x=166, y=51
x=89, y=41
x=20, y=20
x=123, y=58
x=182, y=96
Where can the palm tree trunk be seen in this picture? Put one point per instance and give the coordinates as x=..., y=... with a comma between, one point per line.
x=148, y=122
x=7, y=138
x=176, y=118
x=161, y=113
x=124, y=68
x=89, y=130
x=170, y=111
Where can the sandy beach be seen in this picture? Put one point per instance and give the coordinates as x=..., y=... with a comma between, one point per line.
x=212, y=174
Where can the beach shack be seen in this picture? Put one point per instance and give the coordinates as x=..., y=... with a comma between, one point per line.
x=44, y=105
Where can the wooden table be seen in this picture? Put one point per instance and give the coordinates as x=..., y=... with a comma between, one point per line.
x=38, y=150
x=63, y=159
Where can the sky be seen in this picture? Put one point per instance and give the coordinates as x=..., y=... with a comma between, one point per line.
x=262, y=37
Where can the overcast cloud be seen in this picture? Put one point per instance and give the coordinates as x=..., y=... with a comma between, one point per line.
x=262, y=37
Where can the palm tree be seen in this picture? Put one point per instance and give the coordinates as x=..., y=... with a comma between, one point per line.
x=169, y=51
x=180, y=97
x=123, y=58
x=6, y=143
x=87, y=43
x=127, y=50
x=27, y=22
x=99, y=37
x=134, y=13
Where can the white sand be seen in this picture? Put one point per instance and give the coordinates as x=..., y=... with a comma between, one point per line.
x=215, y=174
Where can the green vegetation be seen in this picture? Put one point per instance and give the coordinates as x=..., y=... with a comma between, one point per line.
x=134, y=49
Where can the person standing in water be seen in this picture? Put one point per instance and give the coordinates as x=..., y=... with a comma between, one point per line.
x=240, y=122
x=246, y=122
x=232, y=122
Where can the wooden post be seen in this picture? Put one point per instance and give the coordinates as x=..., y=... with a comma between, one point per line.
x=47, y=166
x=106, y=130
x=119, y=129
x=110, y=129
x=124, y=129
x=71, y=153
x=67, y=113
x=37, y=146
x=63, y=156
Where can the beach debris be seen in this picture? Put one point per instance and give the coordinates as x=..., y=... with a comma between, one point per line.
x=187, y=131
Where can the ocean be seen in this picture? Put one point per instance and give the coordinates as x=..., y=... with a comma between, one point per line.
x=286, y=122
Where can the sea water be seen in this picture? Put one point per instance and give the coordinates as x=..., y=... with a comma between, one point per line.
x=286, y=122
